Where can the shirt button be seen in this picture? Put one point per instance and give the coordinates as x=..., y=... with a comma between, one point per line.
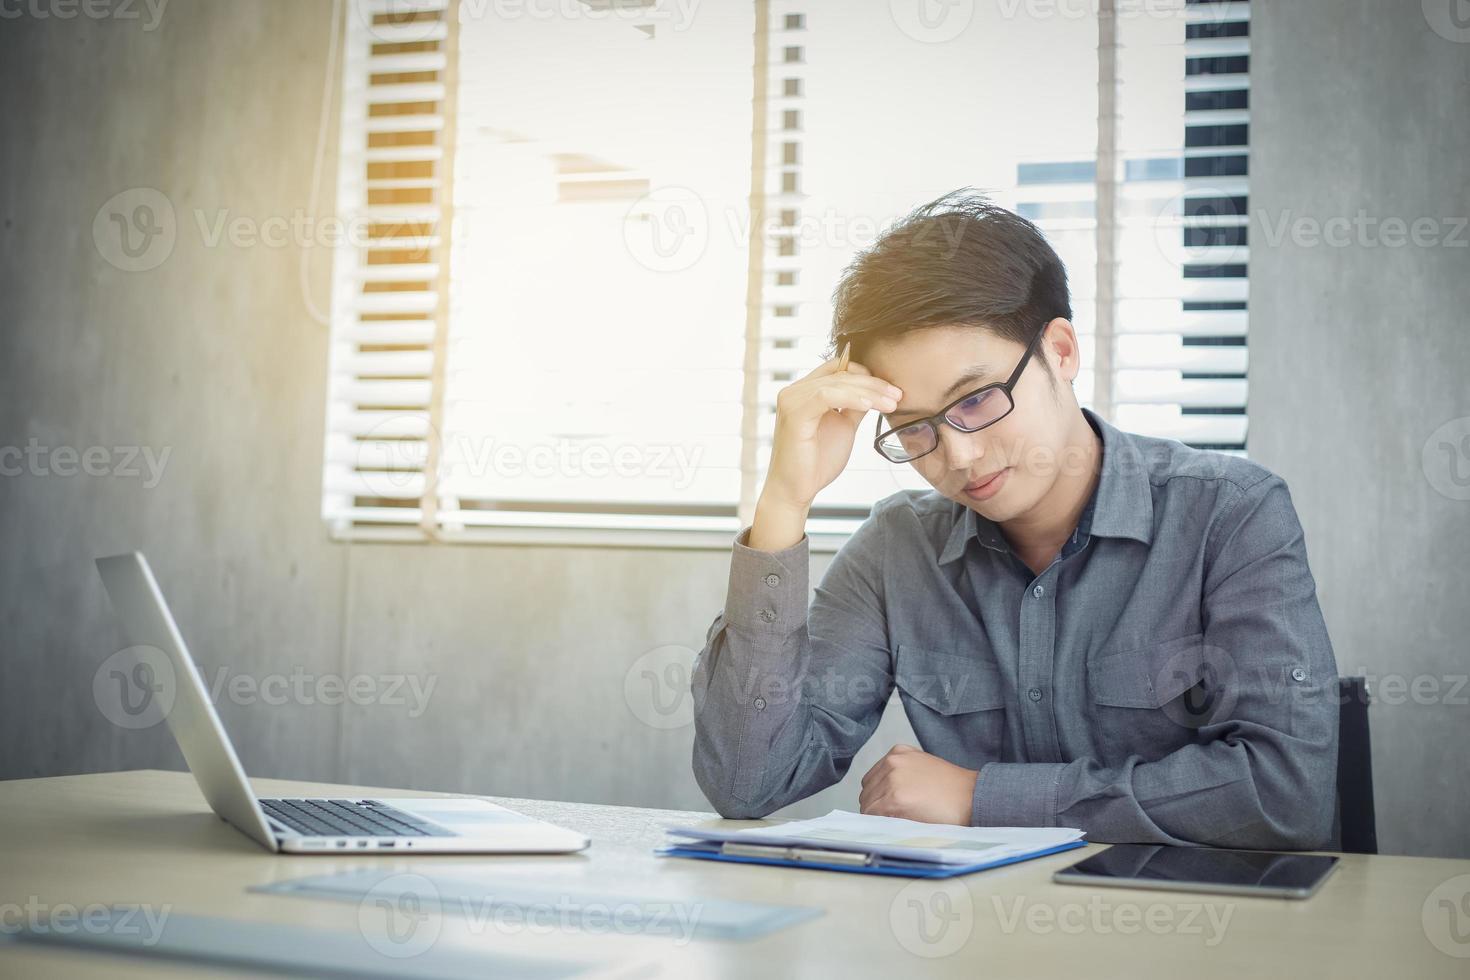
x=1038, y=591
x=1034, y=694
x=768, y=615
x=1298, y=674
x=760, y=704
x=773, y=580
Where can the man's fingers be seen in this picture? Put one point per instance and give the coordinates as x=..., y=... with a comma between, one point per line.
x=834, y=366
x=878, y=804
x=831, y=366
x=883, y=394
x=854, y=368
x=879, y=774
x=867, y=382
x=876, y=778
x=880, y=768
x=842, y=397
x=871, y=794
x=837, y=394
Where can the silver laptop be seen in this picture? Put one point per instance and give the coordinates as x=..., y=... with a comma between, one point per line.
x=309, y=826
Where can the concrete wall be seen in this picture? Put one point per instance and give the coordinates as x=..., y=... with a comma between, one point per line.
x=1360, y=352
x=208, y=357
x=213, y=357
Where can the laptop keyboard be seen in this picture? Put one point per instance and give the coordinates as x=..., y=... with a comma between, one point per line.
x=348, y=818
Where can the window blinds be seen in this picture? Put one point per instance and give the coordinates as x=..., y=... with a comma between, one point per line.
x=387, y=328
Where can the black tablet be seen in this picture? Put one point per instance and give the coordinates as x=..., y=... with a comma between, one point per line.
x=1202, y=869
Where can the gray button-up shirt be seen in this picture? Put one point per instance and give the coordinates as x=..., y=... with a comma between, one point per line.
x=1168, y=678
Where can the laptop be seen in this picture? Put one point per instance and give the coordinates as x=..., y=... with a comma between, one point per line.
x=306, y=826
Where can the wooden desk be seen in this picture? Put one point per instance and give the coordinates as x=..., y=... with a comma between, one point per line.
x=148, y=837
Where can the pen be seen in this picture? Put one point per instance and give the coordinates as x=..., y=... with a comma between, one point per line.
x=842, y=361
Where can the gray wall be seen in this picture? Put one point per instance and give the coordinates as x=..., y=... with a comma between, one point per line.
x=213, y=357
x=1359, y=353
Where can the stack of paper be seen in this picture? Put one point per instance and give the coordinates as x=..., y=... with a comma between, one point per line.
x=844, y=841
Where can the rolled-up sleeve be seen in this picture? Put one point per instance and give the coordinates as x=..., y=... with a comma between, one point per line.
x=1261, y=770
x=786, y=694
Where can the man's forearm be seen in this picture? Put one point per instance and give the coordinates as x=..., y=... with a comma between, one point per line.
x=763, y=736
x=747, y=676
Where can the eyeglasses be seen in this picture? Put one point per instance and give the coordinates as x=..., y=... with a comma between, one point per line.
x=984, y=406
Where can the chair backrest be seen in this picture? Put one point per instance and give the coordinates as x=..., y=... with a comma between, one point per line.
x=1357, y=830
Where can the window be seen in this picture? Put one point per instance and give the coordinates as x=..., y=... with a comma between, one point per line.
x=561, y=321
x=1172, y=317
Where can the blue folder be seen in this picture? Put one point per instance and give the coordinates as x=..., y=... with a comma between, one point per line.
x=881, y=865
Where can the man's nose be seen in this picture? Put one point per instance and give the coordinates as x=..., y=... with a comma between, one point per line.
x=960, y=448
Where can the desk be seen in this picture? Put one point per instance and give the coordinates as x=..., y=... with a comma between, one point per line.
x=148, y=837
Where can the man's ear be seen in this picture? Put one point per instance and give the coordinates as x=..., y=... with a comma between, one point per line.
x=1061, y=333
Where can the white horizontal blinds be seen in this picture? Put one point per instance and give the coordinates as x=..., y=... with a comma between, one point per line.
x=862, y=151
x=596, y=316
x=1215, y=222
x=1178, y=356
x=1180, y=365
x=387, y=277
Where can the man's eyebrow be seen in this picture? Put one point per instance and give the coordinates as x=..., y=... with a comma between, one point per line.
x=969, y=377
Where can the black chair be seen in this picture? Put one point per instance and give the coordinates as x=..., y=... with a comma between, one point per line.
x=1355, y=827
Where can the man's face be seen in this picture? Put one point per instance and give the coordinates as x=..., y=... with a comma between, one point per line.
x=935, y=365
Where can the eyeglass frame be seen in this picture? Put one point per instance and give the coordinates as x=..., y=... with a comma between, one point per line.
x=1007, y=386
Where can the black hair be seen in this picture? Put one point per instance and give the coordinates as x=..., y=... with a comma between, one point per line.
x=958, y=260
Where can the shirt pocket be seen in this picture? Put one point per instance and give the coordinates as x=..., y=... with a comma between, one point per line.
x=955, y=703
x=1150, y=700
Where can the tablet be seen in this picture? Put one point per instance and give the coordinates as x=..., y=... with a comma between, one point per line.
x=1202, y=869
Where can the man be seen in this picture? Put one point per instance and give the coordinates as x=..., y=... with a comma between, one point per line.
x=1086, y=627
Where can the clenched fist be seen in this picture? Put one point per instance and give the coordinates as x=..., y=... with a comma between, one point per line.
x=910, y=783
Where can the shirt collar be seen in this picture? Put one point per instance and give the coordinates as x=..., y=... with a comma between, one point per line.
x=1121, y=507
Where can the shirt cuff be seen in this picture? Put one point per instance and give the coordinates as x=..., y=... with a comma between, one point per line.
x=1017, y=794
x=767, y=592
